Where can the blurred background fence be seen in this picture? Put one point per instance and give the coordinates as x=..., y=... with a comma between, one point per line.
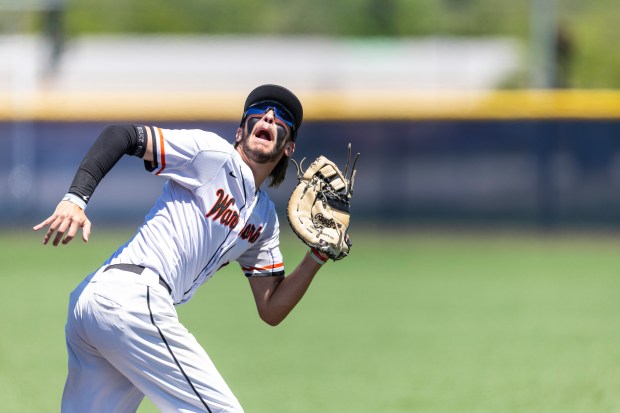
x=473, y=112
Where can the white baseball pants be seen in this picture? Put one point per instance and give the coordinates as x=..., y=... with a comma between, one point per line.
x=125, y=341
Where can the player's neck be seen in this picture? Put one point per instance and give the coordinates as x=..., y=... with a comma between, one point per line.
x=260, y=170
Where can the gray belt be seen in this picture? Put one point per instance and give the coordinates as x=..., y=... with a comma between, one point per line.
x=136, y=269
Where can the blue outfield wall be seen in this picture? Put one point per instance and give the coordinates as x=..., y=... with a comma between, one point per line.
x=549, y=173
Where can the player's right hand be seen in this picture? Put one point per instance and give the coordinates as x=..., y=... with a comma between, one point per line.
x=65, y=221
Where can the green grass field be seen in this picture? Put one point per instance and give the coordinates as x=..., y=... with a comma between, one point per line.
x=411, y=322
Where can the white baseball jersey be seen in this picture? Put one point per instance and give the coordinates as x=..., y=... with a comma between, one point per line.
x=209, y=214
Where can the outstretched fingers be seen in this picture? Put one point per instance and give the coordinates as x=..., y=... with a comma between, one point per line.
x=52, y=221
x=86, y=231
x=65, y=223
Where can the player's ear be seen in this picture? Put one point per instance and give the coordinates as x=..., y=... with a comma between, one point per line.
x=239, y=135
x=289, y=148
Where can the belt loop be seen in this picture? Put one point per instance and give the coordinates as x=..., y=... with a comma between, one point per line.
x=165, y=285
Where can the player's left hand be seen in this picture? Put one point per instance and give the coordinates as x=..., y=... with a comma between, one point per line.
x=318, y=209
x=65, y=221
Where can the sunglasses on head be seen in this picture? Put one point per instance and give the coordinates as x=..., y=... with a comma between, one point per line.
x=280, y=112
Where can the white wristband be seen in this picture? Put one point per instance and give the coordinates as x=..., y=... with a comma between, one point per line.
x=316, y=257
x=75, y=200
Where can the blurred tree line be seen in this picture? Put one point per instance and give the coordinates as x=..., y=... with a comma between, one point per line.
x=587, y=41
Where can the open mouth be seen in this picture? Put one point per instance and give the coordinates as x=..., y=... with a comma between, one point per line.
x=264, y=134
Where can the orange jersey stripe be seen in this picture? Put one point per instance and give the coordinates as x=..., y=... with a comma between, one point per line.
x=162, y=153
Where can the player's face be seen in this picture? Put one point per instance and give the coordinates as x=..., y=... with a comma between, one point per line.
x=264, y=137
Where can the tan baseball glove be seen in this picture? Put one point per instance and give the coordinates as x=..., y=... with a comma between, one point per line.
x=318, y=209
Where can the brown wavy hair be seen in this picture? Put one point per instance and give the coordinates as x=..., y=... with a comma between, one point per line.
x=279, y=172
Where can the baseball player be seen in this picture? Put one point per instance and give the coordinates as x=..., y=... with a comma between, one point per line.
x=124, y=339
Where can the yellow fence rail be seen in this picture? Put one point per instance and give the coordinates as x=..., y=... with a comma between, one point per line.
x=358, y=105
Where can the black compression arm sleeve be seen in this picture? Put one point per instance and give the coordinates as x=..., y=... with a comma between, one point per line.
x=113, y=142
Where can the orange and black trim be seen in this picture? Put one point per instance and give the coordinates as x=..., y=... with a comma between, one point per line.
x=156, y=136
x=269, y=270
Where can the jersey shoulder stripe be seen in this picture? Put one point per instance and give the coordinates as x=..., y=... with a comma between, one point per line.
x=162, y=152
